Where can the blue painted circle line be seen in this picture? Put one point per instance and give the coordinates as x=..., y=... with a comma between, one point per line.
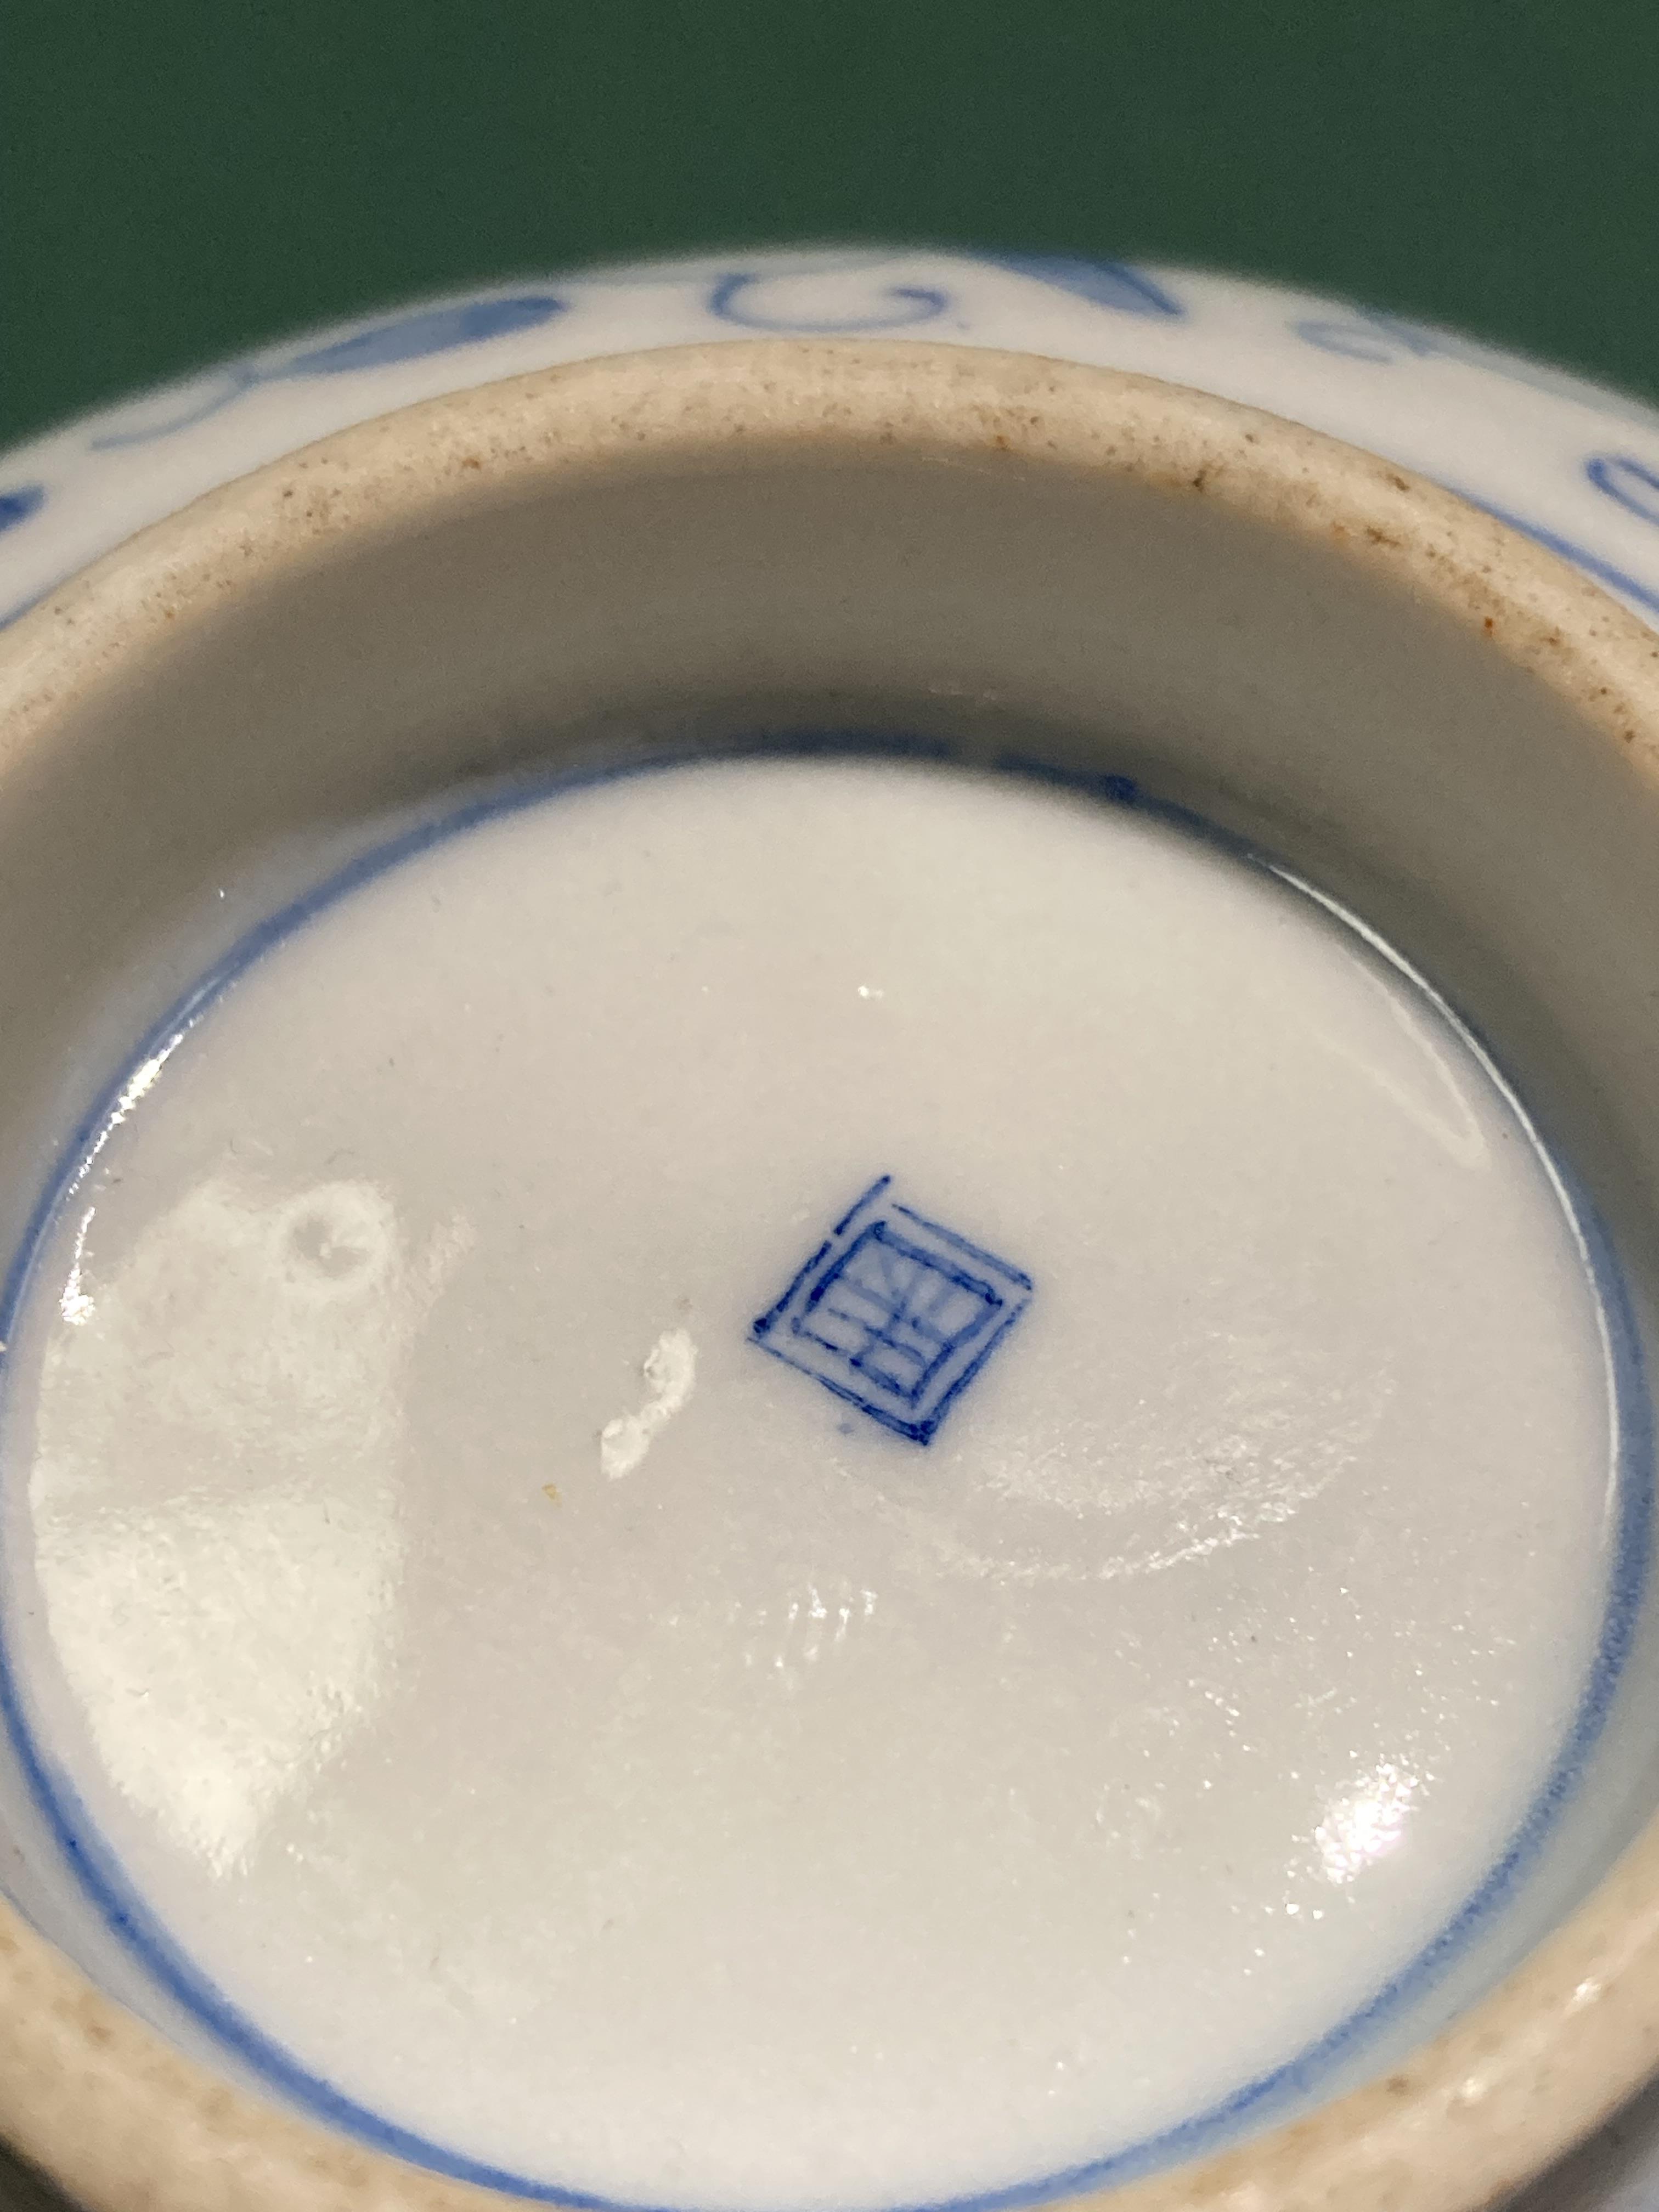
x=1258, y=2101
x=1645, y=595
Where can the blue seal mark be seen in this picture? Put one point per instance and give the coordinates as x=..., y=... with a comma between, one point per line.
x=894, y=1314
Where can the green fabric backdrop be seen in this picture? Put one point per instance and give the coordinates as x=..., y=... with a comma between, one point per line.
x=184, y=177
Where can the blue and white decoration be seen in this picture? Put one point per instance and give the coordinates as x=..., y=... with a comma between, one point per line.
x=1574, y=466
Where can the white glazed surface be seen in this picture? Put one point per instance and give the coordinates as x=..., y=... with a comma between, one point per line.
x=548, y=1676
x=1574, y=465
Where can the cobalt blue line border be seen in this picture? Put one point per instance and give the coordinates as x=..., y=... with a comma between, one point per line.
x=1578, y=557
x=974, y=1251
x=1257, y=2101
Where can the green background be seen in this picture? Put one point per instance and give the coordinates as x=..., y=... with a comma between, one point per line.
x=185, y=177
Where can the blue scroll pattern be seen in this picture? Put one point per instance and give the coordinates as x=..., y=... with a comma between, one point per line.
x=405, y=337
x=883, y=293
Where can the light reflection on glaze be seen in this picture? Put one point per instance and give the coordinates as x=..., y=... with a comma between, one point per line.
x=1367, y=1822
x=1444, y=1113
x=216, y=1532
x=671, y=1371
x=73, y=1305
x=136, y=1088
x=1236, y=1433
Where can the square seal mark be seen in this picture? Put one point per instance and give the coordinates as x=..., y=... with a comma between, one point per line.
x=894, y=1314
